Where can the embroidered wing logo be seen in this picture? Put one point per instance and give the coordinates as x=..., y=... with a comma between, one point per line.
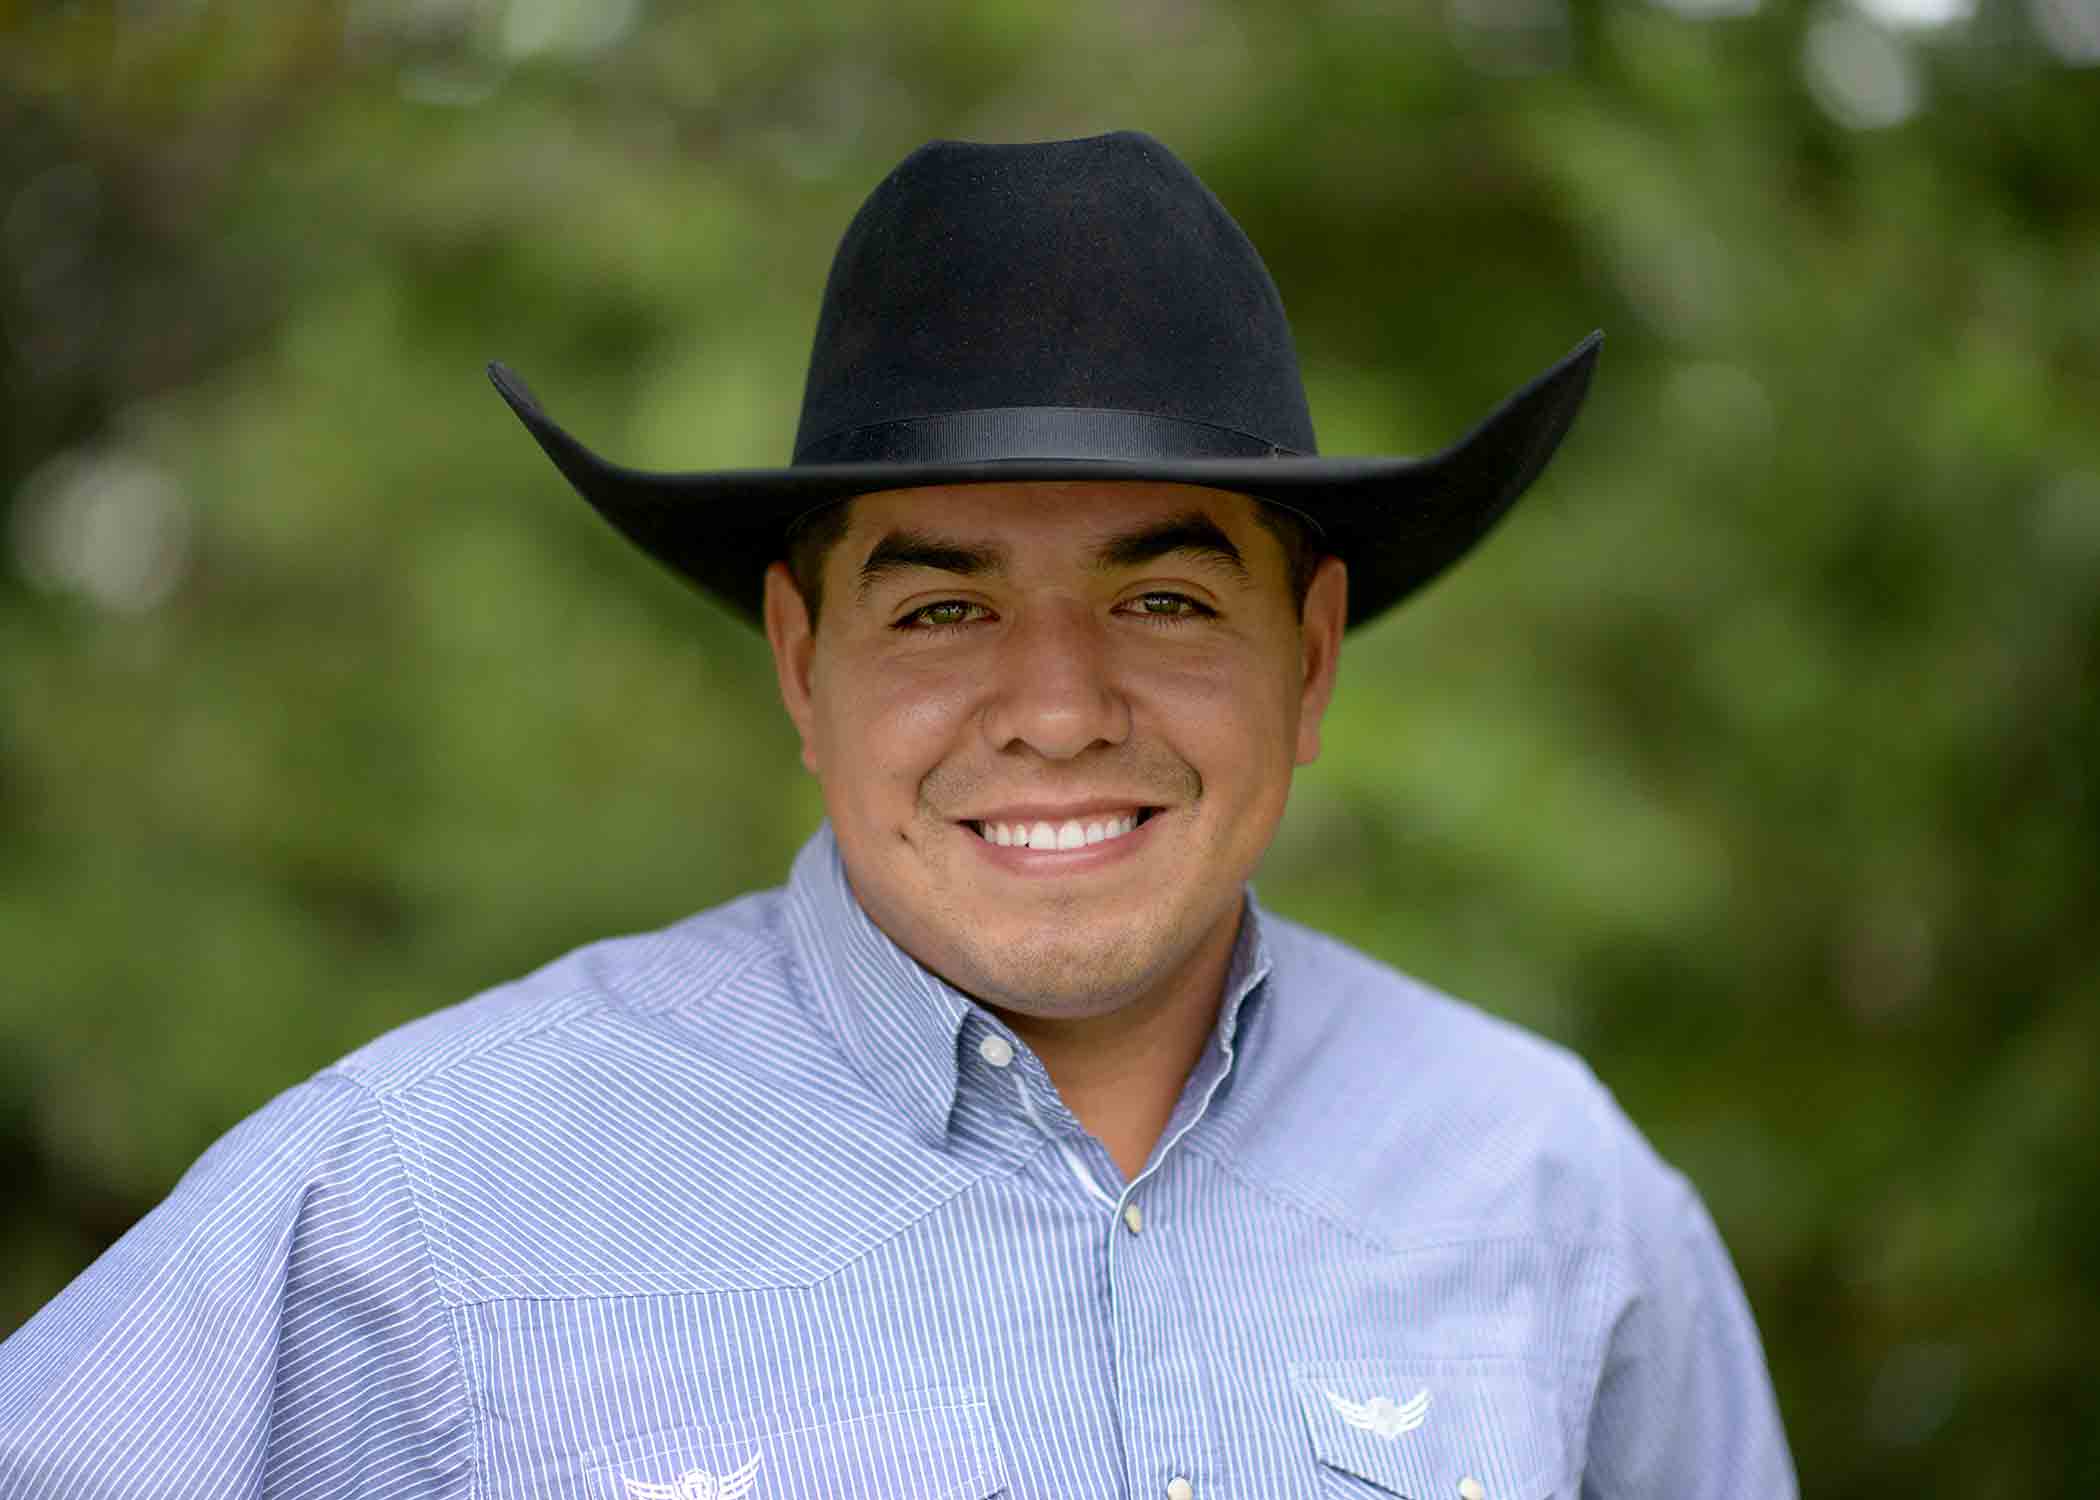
x=1381, y=1414
x=698, y=1484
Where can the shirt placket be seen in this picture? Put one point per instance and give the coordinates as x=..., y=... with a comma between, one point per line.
x=1162, y=1413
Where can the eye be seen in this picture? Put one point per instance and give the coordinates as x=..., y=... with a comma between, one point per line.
x=944, y=614
x=1167, y=607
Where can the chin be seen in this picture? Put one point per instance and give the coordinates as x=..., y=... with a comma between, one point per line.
x=1061, y=970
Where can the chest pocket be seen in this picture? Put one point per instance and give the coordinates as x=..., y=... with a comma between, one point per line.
x=1433, y=1429
x=929, y=1445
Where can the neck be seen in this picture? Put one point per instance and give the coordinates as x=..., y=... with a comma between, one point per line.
x=1122, y=1072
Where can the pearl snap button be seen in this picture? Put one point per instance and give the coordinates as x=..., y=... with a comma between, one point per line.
x=1470, y=1488
x=996, y=1050
x=1133, y=1217
x=1180, y=1489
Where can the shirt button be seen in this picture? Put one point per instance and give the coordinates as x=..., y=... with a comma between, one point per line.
x=996, y=1050
x=1470, y=1488
x=1180, y=1489
x=1134, y=1220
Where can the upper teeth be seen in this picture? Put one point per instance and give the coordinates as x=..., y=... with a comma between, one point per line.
x=1071, y=834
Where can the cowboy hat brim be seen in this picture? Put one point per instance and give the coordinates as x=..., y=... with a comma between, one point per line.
x=1396, y=522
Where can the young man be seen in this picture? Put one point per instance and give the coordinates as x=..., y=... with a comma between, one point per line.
x=1008, y=1149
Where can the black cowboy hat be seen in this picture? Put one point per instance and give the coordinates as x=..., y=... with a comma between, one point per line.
x=1068, y=310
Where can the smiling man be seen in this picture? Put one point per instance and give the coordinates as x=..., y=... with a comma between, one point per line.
x=1009, y=1149
x=1055, y=734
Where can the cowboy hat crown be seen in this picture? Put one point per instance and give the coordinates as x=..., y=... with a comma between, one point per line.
x=1064, y=310
x=1078, y=299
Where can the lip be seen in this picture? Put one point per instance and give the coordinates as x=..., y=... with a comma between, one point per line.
x=1054, y=862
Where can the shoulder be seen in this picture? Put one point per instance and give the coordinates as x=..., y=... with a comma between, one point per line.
x=1369, y=1025
x=1429, y=1116
x=542, y=1124
x=614, y=984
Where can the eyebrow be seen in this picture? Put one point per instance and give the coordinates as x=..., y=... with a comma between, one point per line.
x=900, y=550
x=1192, y=533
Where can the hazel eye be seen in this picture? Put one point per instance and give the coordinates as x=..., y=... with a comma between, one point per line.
x=946, y=614
x=1168, y=606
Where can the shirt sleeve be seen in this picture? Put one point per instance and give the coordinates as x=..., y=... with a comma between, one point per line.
x=1684, y=1405
x=273, y=1328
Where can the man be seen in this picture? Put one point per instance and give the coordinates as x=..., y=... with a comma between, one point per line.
x=1010, y=1149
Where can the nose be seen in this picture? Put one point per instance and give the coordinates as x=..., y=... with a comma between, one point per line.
x=1053, y=689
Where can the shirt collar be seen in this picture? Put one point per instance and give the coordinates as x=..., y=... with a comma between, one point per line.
x=900, y=1024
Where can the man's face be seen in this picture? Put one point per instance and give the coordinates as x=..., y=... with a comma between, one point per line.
x=1004, y=670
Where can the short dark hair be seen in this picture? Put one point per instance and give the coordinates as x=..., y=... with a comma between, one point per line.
x=813, y=534
x=810, y=538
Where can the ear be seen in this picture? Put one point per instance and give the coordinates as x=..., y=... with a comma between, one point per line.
x=1320, y=641
x=794, y=646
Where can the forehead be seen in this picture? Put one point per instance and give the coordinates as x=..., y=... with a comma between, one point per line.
x=1044, y=515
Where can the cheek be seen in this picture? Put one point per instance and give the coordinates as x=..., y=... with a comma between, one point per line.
x=1231, y=717
x=879, y=727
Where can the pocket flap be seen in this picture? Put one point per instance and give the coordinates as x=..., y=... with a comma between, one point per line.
x=941, y=1445
x=1422, y=1427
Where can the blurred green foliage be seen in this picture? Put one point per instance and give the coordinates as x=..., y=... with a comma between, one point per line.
x=1754, y=757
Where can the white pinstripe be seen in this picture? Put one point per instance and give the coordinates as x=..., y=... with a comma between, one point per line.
x=745, y=1185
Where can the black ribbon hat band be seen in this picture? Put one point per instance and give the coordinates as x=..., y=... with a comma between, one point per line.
x=1009, y=433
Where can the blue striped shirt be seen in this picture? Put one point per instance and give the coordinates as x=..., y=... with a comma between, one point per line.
x=756, y=1206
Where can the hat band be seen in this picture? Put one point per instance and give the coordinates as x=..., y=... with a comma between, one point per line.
x=995, y=433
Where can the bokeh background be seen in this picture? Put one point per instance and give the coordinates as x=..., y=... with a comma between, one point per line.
x=1754, y=757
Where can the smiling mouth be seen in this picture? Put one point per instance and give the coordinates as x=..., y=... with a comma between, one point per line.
x=1073, y=833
